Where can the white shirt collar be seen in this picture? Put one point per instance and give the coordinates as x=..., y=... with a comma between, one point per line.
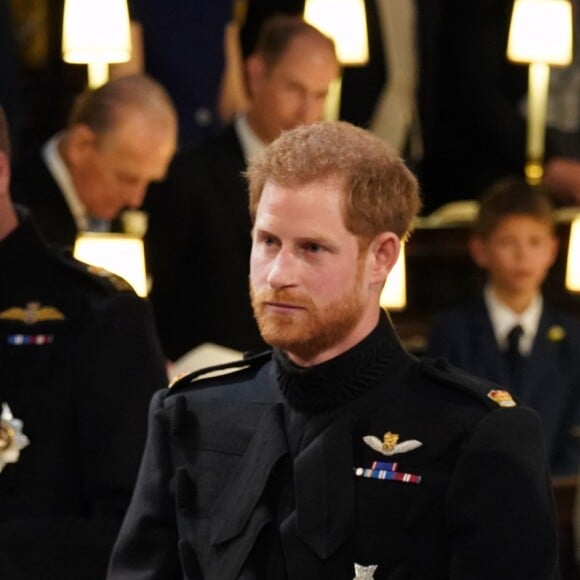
x=503, y=319
x=250, y=142
x=60, y=173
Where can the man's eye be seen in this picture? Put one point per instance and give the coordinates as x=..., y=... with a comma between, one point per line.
x=312, y=247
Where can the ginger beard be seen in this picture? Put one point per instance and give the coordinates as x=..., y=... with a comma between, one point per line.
x=312, y=330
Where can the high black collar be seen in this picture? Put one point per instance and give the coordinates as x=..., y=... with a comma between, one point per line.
x=343, y=378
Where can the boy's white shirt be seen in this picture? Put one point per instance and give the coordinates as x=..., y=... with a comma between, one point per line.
x=503, y=319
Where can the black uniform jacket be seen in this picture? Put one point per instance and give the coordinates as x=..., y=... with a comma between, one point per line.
x=249, y=477
x=79, y=362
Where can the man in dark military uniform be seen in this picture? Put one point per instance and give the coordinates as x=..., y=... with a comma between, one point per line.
x=339, y=454
x=79, y=361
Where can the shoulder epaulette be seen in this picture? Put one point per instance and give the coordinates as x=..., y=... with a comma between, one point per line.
x=104, y=278
x=230, y=368
x=489, y=393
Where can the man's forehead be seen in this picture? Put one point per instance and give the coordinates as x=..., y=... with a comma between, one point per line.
x=314, y=206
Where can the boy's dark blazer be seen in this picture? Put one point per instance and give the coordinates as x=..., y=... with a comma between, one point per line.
x=465, y=337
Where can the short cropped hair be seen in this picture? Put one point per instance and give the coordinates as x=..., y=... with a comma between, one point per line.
x=380, y=193
x=100, y=108
x=4, y=133
x=512, y=196
x=279, y=31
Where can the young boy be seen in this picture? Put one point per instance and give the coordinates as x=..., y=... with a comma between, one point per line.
x=510, y=334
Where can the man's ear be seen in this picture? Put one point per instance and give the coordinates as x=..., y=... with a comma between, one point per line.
x=478, y=251
x=384, y=251
x=255, y=71
x=80, y=140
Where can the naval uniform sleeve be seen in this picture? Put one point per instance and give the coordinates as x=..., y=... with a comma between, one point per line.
x=146, y=548
x=122, y=366
x=500, y=508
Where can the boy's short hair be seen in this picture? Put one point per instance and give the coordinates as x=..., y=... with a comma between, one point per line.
x=512, y=196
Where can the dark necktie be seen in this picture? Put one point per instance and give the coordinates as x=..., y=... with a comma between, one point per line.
x=514, y=357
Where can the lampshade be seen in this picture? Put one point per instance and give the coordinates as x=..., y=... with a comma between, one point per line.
x=394, y=294
x=573, y=263
x=345, y=22
x=96, y=33
x=541, y=31
x=118, y=253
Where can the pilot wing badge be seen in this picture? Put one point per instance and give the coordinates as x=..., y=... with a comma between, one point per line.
x=32, y=313
x=390, y=444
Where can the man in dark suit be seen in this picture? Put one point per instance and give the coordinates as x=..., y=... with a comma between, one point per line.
x=79, y=361
x=514, y=242
x=198, y=241
x=339, y=453
x=120, y=137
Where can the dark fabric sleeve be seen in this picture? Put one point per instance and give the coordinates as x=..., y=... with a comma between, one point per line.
x=125, y=368
x=114, y=367
x=500, y=505
x=146, y=548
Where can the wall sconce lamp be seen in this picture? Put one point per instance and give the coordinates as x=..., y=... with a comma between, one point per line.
x=96, y=33
x=121, y=254
x=573, y=262
x=394, y=294
x=540, y=35
x=345, y=22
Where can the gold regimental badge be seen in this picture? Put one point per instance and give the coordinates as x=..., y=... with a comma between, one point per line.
x=390, y=441
x=502, y=398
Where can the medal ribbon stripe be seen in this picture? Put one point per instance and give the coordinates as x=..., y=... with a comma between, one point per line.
x=388, y=466
x=386, y=474
x=30, y=339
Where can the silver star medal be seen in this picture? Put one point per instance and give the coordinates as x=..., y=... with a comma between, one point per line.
x=12, y=440
x=364, y=572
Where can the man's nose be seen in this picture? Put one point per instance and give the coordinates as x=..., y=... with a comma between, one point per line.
x=136, y=195
x=282, y=271
x=311, y=109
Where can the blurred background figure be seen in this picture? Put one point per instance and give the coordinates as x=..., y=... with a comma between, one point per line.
x=511, y=334
x=79, y=362
x=119, y=138
x=181, y=44
x=198, y=241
